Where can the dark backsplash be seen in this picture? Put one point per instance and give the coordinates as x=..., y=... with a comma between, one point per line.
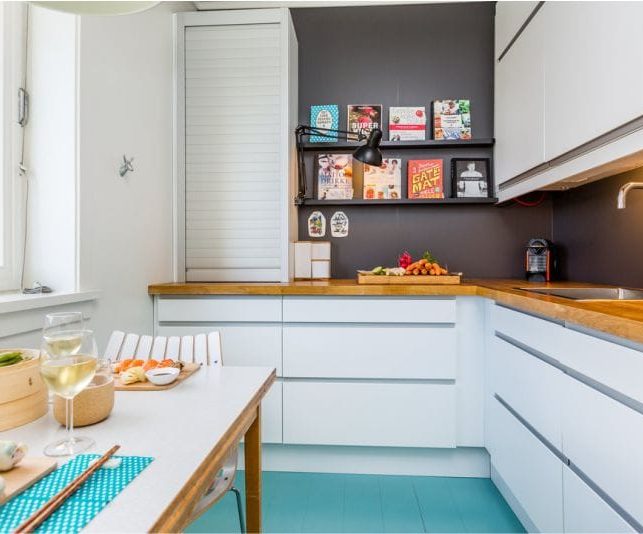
x=598, y=242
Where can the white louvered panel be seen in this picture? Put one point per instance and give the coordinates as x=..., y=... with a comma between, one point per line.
x=232, y=152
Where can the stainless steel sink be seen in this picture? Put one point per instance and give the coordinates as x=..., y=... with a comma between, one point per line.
x=588, y=293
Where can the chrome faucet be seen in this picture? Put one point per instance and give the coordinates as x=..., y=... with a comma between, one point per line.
x=625, y=189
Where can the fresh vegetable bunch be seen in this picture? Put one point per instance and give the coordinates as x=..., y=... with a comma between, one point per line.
x=10, y=358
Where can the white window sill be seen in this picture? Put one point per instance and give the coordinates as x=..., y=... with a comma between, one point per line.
x=13, y=302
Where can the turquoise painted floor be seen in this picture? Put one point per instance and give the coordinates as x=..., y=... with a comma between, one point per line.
x=320, y=502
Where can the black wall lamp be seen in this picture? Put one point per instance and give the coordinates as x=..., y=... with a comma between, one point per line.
x=368, y=153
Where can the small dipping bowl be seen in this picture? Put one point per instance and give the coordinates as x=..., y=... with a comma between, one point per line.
x=162, y=376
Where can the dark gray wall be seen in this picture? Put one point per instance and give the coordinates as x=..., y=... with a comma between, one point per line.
x=411, y=55
x=599, y=243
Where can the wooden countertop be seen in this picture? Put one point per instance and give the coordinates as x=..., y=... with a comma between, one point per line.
x=619, y=318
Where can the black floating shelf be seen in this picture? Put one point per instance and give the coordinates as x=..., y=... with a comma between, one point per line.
x=400, y=202
x=395, y=145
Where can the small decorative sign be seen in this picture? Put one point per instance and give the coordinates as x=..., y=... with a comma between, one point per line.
x=316, y=224
x=339, y=224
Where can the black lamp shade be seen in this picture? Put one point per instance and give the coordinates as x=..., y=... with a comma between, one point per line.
x=370, y=152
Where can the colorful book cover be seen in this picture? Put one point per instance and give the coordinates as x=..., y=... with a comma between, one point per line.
x=407, y=123
x=425, y=178
x=452, y=119
x=364, y=118
x=334, y=176
x=327, y=117
x=385, y=182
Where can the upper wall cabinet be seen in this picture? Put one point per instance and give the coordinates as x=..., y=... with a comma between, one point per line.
x=236, y=105
x=510, y=16
x=569, y=95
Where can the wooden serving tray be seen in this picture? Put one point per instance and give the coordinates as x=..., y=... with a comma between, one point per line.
x=410, y=280
x=29, y=471
x=188, y=370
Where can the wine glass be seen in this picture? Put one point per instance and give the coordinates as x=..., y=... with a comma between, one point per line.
x=68, y=363
x=55, y=331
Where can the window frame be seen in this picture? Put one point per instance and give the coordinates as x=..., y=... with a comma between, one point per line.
x=13, y=20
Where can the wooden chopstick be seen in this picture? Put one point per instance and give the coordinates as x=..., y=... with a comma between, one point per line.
x=39, y=516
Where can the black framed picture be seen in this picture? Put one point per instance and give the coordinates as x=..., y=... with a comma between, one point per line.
x=471, y=178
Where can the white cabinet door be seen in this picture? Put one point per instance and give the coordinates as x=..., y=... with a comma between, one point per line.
x=510, y=16
x=593, y=70
x=530, y=386
x=369, y=351
x=519, y=104
x=586, y=511
x=603, y=438
x=373, y=414
x=532, y=472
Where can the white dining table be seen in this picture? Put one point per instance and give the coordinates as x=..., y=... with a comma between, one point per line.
x=188, y=430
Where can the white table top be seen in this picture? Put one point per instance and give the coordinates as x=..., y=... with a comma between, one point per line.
x=178, y=427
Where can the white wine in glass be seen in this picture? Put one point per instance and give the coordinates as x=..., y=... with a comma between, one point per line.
x=67, y=375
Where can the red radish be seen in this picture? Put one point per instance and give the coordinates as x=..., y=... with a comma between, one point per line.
x=404, y=260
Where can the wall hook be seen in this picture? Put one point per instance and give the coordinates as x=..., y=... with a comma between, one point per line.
x=126, y=166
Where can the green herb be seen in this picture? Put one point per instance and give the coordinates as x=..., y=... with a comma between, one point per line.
x=430, y=257
x=10, y=358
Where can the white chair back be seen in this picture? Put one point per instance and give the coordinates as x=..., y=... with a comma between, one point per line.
x=201, y=348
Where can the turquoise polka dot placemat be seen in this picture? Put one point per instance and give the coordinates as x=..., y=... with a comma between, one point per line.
x=83, y=505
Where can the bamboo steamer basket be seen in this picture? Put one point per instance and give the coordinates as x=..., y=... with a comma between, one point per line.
x=92, y=405
x=23, y=394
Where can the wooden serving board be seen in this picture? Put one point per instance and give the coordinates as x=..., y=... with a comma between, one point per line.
x=420, y=279
x=25, y=475
x=188, y=370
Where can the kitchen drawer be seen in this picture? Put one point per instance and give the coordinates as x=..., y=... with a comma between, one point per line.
x=603, y=438
x=544, y=336
x=369, y=413
x=371, y=351
x=241, y=344
x=219, y=309
x=616, y=366
x=585, y=510
x=530, y=470
x=530, y=386
x=368, y=310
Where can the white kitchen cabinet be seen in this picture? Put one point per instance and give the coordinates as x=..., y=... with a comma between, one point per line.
x=378, y=414
x=532, y=472
x=218, y=309
x=530, y=386
x=519, y=106
x=510, y=16
x=603, y=438
x=593, y=76
x=586, y=511
x=369, y=351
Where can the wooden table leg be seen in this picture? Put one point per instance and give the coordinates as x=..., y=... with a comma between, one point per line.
x=252, y=453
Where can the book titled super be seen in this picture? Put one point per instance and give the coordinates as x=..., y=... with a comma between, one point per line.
x=425, y=178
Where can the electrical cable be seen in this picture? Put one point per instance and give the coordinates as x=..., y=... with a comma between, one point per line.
x=531, y=203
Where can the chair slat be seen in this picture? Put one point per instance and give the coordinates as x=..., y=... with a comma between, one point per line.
x=214, y=348
x=144, y=347
x=201, y=349
x=128, y=350
x=158, y=348
x=112, y=352
x=173, y=349
x=187, y=349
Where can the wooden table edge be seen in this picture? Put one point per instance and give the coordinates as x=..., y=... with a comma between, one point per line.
x=178, y=513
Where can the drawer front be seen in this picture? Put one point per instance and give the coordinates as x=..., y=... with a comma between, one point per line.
x=604, y=438
x=219, y=309
x=369, y=414
x=241, y=344
x=586, y=511
x=271, y=415
x=368, y=310
x=531, y=470
x=382, y=351
x=529, y=385
x=538, y=334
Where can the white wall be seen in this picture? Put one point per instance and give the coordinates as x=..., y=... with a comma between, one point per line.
x=125, y=97
x=51, y=154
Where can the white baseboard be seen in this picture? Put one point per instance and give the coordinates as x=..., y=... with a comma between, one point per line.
x=458, y=462
x=513, y=503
